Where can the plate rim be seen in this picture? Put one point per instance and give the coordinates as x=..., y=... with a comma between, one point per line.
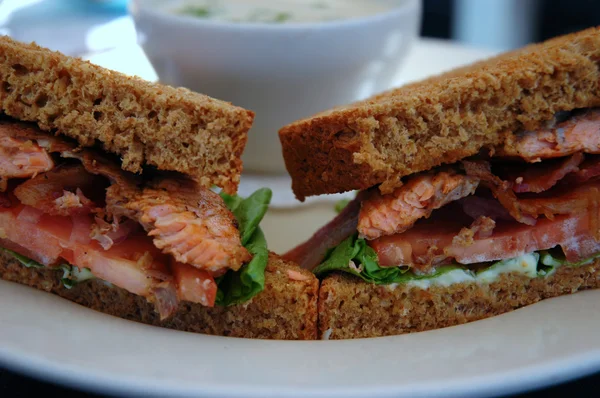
x=537, y=374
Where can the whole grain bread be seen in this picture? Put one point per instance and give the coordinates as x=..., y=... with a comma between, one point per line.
x=350, y=308
x=441, y=119
x=142, y=122
x=285, y=310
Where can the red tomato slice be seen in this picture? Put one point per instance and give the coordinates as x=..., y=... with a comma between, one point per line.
x=50, y=239
x=134, y=264
x=194, y=285
x=571, y=232
x=433, y=240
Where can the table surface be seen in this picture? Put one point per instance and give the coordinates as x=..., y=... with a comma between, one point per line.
x=16, y=385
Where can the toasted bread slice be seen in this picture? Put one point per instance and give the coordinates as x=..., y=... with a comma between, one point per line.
x=286, y=309
x=442, y=119
x=350, y=308
x=142, y=122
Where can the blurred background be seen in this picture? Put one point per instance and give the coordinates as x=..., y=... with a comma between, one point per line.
x=80, y=27
x=506, y=24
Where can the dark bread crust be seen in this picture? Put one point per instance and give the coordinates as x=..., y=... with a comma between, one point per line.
x=142, y=122
x=350, y=308
x=285, y=310
x=441, y=119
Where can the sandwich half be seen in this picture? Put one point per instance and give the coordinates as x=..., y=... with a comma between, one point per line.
x=120, y=195
x=477, y=192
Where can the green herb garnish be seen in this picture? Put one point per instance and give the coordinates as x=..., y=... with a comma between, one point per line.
x=341, y=205
x=282, y=17
x=195, y=11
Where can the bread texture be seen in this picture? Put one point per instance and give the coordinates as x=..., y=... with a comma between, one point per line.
x=350, y=308
x=142, y=122
x=442, y=119
x=285, y=310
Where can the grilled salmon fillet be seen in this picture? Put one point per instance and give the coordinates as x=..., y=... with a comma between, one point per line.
x=187, y=221
x=61, y=191
x=395, y=213
x=21, y=158
x=579, y=133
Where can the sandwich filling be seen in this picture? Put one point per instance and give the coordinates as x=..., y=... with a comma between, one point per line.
x=160, y=236
x=529, y=206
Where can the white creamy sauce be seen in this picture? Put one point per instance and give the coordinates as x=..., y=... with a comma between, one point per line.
x=280, y=11
x=526, y=264
x=445, y=280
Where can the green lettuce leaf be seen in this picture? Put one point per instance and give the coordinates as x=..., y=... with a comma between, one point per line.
x=341, y=205
x=232, y=201
x=27, y=262
x=355, y=257
x=239, y=287
x=249, y=212
x=551, y=259
x=71, y=275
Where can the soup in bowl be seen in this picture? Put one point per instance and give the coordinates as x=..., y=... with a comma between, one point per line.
x=290, y=11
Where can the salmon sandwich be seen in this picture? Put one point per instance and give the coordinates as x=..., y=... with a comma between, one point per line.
x=478, y=192
x=120, y=195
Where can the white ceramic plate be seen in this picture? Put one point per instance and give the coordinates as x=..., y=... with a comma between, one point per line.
x=547, y=343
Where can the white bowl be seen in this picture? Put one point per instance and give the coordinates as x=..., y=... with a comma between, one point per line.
x=282, y=72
